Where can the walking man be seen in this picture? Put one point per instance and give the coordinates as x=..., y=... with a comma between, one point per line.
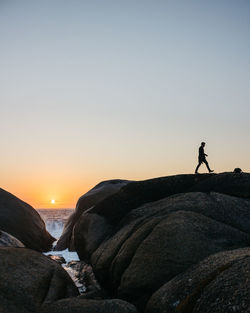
x=202, y=158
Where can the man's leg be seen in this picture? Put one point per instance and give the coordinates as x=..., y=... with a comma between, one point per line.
x=196, y=170
x=209, y=169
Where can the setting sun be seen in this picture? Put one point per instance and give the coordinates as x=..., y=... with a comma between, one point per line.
x=52, y=201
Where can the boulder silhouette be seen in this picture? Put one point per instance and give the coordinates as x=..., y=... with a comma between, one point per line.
x=147, y=233
x=106, y=214
x=91, y=198
x=220, y=283
x=20, y=220
x=30, y=280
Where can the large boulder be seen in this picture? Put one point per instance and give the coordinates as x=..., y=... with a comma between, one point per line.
x=150, y=231
x=95, y=224
x=88, y=200
x=6, y=240
x=23, y=222
x=218, y=284
x=30, y=280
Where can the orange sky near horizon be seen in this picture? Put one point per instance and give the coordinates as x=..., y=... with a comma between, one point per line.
x=67, y=190
x=41, y=196
x=38, y=181
x=38, y=188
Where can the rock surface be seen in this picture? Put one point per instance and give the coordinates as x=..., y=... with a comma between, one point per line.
x=100, y=221
x=91, y=198
x=6, y=240
x=23, y=222
x=78, y=305
x=234, y=184
x=143, y=236
x=163, y=239
x=30, y=280
x=84, y=278
x=220, y=283
x=57, y=258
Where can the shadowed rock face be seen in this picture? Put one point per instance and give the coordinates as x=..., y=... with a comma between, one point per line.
x=29, y=280
x=111, y=210
x=77, y=305
x=143, y=236
x=220, y=283
x=6, y=240
x=23, y=222
x=88, y=200
x=162, y=239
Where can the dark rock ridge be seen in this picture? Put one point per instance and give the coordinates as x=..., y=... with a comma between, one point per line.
x=234, y=184
x=31, y=282
x=220, y=283
x=6, y=240
x=141, y=237
x=89, y=199
x=23, y=222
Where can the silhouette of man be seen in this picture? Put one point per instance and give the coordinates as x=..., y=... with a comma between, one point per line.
x=202, y=158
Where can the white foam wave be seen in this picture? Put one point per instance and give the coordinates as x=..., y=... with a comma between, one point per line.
x=55, y=227
x=54, y=221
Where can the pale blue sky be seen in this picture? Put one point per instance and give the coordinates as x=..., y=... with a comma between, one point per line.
x=122, y=89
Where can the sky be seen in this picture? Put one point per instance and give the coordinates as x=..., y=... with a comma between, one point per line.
x=97, y=90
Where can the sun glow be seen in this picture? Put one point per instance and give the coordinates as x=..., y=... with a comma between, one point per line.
x=52, y=201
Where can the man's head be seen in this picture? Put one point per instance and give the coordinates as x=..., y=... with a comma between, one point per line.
x=203, y=144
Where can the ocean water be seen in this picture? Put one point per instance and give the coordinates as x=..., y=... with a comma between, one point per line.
x=54, y=220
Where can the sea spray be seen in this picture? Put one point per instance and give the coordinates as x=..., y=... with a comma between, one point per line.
x=54, y=220
x=54, y=227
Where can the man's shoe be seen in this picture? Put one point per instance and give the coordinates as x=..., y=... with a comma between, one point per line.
x=211, y=171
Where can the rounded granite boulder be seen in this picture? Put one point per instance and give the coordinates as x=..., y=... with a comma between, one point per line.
x=88, y=200
x=20, y=220
x=218, y=284
x=100, y=221
x=29, y=280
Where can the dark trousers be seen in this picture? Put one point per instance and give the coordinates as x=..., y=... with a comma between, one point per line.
x=199, y=164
